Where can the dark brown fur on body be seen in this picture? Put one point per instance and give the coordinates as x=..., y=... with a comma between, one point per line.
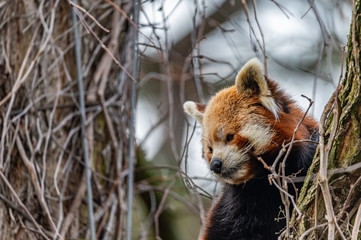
x=252, y=209
x=251, y=119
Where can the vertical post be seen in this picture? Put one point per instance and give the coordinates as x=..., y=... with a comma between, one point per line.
x=132, y=121
x=83, y=122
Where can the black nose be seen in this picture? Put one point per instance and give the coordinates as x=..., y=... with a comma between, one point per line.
x=216, y=165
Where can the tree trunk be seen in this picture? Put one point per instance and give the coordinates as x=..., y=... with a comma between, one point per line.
x=43, y=191
x=340, y=130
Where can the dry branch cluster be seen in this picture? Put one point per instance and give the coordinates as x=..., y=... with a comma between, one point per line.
x=43, y=187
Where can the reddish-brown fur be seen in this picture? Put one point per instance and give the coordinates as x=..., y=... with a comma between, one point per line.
x=229, y=107
x=241, y=123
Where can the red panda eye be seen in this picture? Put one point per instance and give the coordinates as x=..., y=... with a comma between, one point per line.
x=210, y=149
x=229, y=137
x=257, y=105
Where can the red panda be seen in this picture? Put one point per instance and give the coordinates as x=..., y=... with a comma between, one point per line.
x=251, y=119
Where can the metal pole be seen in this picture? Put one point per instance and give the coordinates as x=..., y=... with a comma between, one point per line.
x=83, y=122
x=132, y=122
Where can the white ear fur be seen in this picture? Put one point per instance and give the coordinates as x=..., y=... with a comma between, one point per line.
x=270, y=104
x=250, y=81
x=191, y=109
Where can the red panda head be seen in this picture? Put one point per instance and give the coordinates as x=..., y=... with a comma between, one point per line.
x=249, y=119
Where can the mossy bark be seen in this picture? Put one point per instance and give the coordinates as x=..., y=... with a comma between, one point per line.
x=345, y=152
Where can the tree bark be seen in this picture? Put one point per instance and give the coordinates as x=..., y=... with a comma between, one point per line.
x=342, y=153
x=42, y=183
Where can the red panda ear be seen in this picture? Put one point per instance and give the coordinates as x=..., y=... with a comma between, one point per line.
x=250, y=82
x=196, y=110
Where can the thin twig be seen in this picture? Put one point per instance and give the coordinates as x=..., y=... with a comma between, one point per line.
x=83, y=130
x=324, y=153
x=34, y=179
x=89, y=15
x=357, y=224
x=308, y=231
x=108, y=51
x=160, y=208
x=22, y=205
x=263, y=41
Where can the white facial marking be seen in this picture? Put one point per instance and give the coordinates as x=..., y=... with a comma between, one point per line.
x=232, y=159
x=230, y=154
x=239, y=174
x=258, y=135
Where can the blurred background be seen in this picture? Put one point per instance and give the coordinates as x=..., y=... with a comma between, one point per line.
x=188, y=50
